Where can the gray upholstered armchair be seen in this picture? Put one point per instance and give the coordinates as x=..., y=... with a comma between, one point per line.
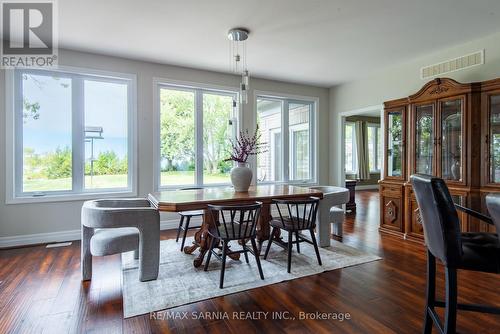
x=113, y=226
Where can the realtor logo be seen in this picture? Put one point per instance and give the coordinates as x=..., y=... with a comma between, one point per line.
x=28, y=34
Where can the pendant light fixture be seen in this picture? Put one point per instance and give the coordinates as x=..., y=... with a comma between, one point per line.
x=238, y=59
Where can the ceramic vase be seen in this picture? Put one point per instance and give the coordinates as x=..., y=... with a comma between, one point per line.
x=241, y=177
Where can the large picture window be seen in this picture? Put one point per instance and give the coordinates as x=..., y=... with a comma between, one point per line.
x=351, y=161
x=374, y=148
x=287, y=127
x=72, y=133
x=195, y=131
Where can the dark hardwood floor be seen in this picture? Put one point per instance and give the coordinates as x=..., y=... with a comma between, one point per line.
x=41, y=291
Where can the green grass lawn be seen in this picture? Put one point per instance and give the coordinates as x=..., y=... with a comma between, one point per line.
x=120, y=181
x=186, y=178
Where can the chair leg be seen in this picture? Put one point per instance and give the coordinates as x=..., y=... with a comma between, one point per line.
x=86, y=256
x=245, y=253
x=149, y=251
x=179, y=228
x=254, y=247
x=431, y=292
x=186, y=227
x=315, y=244
x=136, y=254
x=209, y=255
x=269, y=242
x=223, y=269
x=290, y=246
x=450, y=313
x=298, y=243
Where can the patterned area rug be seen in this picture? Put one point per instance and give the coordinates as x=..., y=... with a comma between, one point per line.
x=180, y=283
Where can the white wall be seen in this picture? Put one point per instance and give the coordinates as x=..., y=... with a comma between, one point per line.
x=402, y=80
x=63, y=218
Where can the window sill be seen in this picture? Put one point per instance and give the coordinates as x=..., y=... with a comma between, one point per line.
x=180, y=186
x=69, y=197
x=290, y=183
x=374, y=172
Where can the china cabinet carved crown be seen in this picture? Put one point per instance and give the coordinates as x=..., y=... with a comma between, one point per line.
x=447, y=129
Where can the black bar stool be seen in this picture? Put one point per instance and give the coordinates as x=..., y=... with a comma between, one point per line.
x=301, y=216
x=231, y=223
x=467, y=251
x=187, y=215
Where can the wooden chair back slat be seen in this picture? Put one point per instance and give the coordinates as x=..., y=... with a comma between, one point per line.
x=301, y=213
x=236, y=221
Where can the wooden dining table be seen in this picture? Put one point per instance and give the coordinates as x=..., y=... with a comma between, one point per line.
x=199, y=199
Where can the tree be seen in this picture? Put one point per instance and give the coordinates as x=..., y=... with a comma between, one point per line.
x=177, y=126
x=107, y=163
x=32, y=163
x=58, y=164
x=216, y=115
x=30, y=110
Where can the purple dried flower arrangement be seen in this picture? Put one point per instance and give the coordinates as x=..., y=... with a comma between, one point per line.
x=245, y=146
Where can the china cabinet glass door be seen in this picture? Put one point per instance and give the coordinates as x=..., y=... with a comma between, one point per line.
x=494, y=135
x=451, y=139
x=395, y=143
x=424, y=139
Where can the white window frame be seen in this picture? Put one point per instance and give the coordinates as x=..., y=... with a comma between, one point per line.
x=287, y=99
x=292, y=130
x=376, y=126
x=354, y=149
x=14, y=129
x=272, y=143
x=198, y=89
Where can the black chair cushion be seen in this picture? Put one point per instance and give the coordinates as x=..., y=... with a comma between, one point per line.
x=481, y=252
x=289, y=224
x=231, y=233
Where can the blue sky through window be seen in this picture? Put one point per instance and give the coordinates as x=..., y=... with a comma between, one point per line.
x=105, y=105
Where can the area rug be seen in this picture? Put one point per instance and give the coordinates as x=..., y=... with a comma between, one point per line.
x=180, y=283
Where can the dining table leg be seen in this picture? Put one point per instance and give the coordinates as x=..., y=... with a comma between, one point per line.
x=202, y=240
x=263, y=228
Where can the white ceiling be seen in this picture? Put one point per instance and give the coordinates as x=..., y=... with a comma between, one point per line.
x=319, y=42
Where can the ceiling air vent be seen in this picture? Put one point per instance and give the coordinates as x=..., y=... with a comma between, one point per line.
x=457, y=64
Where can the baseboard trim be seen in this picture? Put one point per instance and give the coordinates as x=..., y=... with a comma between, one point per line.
x=61, y=236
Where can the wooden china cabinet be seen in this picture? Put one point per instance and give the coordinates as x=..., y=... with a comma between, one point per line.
x=447, y=129
x=391, y=188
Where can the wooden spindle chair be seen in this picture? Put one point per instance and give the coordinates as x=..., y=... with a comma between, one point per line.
x=233, y=223
x=295, y=216
x=187, y=215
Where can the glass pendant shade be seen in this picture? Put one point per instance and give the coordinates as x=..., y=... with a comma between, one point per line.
x=238, y=59
x=243, y=93
x=244, y=86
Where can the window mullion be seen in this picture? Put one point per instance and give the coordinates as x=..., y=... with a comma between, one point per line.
x=375, y=148
x=198, y=105
x=286, y=141
x=78, y=137
x=18, y=133
x=312, y=143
